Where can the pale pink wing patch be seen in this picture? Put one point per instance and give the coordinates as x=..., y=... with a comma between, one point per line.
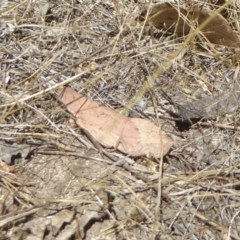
x=133, y=136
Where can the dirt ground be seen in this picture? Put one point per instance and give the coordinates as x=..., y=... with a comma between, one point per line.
x=56, y=184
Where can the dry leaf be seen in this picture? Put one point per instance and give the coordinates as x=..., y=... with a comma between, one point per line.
x=133, y=136
x=177, y=20
x=218, y=30
x=166, y=16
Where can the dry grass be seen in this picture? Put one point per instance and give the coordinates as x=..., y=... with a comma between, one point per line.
x=62, y=184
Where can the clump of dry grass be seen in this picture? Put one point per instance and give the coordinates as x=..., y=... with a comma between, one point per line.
x=124, y=66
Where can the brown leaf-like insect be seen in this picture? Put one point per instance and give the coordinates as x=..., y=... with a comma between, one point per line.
x=133, y=136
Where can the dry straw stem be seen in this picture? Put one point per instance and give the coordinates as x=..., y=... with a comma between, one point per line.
x=214, y=223
x=4, y=12
x=41, y=93
x=172, y=57
x=148, y=214
x=9, y=218
x=184, y=181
